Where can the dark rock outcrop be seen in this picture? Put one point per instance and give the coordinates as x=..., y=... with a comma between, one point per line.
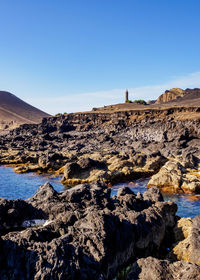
x=89, y=235
x=13, y=213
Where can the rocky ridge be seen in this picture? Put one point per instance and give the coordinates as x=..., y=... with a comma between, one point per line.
x=178, y=96
x=170, y=95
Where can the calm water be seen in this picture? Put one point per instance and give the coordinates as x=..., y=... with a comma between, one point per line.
x=13, y=185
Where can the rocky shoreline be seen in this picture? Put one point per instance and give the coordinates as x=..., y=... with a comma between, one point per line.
x=87, y=234
x=113, y=147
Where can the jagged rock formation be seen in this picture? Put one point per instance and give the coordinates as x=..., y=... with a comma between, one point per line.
x=89, y=235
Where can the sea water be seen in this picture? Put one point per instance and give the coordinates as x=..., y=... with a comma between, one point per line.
x=13, y=186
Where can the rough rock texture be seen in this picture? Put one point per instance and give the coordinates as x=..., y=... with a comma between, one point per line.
x=154, y=269
x=169, y=95
x=187, y=234
x=115, y=147
x=173, y=177
x=89, y=234
x=86, y=169
x=179, y=96
x=14, y=212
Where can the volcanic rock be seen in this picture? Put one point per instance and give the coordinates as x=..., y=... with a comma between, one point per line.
x=187, y=233
x=114, y=146
x=173, y=177
x=154, y=269
x=89, y=235
x=13, y=213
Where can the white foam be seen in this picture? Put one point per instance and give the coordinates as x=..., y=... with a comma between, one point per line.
x=33, y=223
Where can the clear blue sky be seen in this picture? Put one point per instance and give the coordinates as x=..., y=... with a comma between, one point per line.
x=68, y=55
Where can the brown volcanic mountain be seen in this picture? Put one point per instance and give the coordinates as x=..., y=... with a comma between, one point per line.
x=14, y=111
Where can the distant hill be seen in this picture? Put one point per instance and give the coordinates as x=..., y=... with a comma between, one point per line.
x=180, y=96
x=14, y=111
x=170, y=95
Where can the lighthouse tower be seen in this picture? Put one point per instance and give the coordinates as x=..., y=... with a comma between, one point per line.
x=126, y=96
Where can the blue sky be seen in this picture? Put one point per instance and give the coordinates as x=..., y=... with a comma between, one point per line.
x=72, y=55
